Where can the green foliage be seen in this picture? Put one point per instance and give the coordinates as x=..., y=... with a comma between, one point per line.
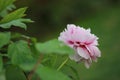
x=14, y=15
x=4, y=38
x=15, y=19
x=18, y=73
x=1, y=63
x=53, y=46
x=20, y=54
x=5, y=6
x=46, y=73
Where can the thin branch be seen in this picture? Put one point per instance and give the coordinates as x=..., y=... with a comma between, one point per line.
x=35, y=67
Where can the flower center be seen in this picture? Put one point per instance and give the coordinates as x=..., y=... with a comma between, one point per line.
x=77, y=44
x=70, y=42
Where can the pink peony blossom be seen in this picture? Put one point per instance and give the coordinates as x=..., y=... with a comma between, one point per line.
x=83, y=42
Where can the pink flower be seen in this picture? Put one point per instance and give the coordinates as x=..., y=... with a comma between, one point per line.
x=83, y=42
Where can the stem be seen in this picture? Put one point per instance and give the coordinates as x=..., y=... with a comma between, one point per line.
x=63, y=63
x=35, y=67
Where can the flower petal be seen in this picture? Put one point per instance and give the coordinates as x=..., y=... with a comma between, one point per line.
x=75, y=57
x=94, y=58
x=97, y=51
x=94, y=51
x=87, y=63
x=83, y=53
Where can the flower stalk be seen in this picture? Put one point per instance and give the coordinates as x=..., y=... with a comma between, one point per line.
x=63, y=63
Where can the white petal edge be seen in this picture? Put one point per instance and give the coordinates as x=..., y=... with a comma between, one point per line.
x=83, y=53
x=87, y=63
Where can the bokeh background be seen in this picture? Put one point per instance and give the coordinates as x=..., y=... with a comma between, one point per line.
x=102, y=16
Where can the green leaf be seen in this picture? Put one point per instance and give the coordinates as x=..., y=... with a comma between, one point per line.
x=5, y=5
x=46, y=73
x=9, y=8
x=53, y=46
x=15, y=19
x=14, y=73
x=14, y=15
x=18, y=22
x=20, y=54
x=4, y=38
x=1, y=63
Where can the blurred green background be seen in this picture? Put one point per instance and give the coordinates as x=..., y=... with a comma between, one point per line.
x=102, y=16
